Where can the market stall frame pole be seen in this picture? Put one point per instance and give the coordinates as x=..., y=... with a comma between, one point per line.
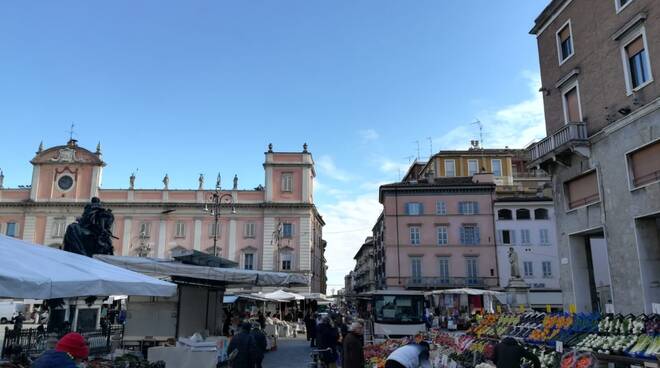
x=216, y=201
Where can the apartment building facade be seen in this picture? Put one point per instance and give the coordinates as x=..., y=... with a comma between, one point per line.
x=527, y=225
x=438, y=233
x=363, y=274
x=275, y=227
x=602, y=113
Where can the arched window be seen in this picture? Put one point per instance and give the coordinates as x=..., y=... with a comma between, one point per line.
x=540, y=214
x=523, y=214
x=504, y=214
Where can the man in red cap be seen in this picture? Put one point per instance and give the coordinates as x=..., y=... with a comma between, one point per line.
x=70, y=350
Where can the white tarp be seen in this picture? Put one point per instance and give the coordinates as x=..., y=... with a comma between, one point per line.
x=39, y=272
x=283, y=296
x=316, y=296
x=232, y=276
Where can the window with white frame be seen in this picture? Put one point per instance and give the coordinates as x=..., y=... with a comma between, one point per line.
x=180, y=230
x=544, y=237
x=528, y=269
x=524, y=236
x=620, y=4
x=414, y=235
x=440, y=208
x=469, y=234
x=571, y=103
x=248, y=261
x=145, y=229
x=443, y=235
x=636, y=60
x=11, y=229
x=414, y=209
x=504, y=214
x=565, y=42
x=59, y=227
x=450, y=168
x=287, y=182
x=523, y=214
x=541, y=214
x=444, y=269
x=416, y=269
x=547, y=269
x=286, y=259
x=507, y=237
x=249, y=230
x=468, y=208
x=471, y=270
x=473, y=167
x=496, y=167
x=215, y=230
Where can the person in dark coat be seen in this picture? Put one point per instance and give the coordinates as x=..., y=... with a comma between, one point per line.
x=70, y=350
x=245, y=346
x=353, y=353
x=262, y=320
x=327, y=337
x=260, y=342
x=310, y=326
x=508, y=354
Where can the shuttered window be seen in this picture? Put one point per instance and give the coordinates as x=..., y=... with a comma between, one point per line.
x=572, y=106
x=645, y=164
x=637, y=62
x=583, y=190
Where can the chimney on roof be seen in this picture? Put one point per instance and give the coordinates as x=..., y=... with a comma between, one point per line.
x=474, y=144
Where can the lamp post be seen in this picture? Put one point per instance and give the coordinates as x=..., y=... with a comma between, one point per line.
x=216, y=200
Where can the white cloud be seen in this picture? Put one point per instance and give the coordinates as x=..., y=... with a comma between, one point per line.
x=393, y=167
x=515, y=125
x=348, y=223
x=327, y=167
x=368, y=135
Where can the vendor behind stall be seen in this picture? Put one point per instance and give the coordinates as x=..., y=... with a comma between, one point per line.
x=410, y=356
x=508, y=354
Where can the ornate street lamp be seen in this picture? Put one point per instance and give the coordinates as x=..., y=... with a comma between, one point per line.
x=216, y=200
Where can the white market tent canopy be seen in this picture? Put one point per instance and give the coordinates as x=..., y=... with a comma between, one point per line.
x=316, y=296
x=39, y=272
x=283, y=296
x=466, y=291
x=231, y=276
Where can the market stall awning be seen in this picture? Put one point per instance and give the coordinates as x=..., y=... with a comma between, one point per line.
x=283, y=296
x=316, y=296
x=466, y=291
x=39, y=272
x=228, y=276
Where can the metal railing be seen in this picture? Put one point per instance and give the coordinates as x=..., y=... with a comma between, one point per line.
x=570, y=132
x=450, y=282
x=33, y=341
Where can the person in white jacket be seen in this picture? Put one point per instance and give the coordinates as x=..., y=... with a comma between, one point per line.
x=410, y=356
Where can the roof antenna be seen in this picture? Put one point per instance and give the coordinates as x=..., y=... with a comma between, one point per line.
x=71, y=131
x=417, y=159
x=430, y=146
x=481, y=132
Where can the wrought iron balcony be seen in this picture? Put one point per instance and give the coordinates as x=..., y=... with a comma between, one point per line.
x=571, y=137
x=450, y=282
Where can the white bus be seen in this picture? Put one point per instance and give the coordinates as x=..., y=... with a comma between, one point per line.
x=397, y=313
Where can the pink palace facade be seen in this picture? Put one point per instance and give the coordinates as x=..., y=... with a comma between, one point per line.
x=65, y=177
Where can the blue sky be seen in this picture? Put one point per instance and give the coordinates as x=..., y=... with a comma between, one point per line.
x=203, y=86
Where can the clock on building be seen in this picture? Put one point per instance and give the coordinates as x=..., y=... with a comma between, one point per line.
x=65, y=182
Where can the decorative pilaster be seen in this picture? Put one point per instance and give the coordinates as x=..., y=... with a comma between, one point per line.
x=197, y=235
x=162, y=234
x=269, y=247
x=30, y=229
x=232, y=239
x=126, y=237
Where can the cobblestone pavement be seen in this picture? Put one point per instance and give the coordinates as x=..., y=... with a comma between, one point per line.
x=290, y=353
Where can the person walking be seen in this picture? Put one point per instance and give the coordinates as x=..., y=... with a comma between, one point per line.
x=70, y=350
x=242, y=349
x=327, y=338
x=410, y=356
x=260, y=343
x=353, y=352
x=18, y=322
x=508, y=354
x=311, y=331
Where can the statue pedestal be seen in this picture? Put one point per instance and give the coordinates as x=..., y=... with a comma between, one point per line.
x=517, y=293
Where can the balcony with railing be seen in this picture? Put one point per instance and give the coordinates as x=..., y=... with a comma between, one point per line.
x=450, y=282
x=571, y=137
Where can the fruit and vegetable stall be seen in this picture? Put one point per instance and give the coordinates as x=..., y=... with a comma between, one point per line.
x=559, y=340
